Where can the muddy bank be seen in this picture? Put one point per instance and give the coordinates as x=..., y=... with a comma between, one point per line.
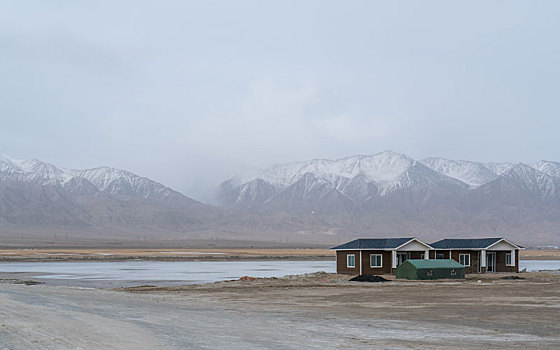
x=49, y=255
x=313, y=311
x=528, y=304
x=183, y=254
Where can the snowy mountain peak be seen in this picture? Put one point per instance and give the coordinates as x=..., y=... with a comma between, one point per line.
x=533, y=180
x=32, y=171
x=382, y=167
x=122, y=182
x=498, y=168
x=355, y=180
x=548, y=167
x=472, y=173
x=105, y=179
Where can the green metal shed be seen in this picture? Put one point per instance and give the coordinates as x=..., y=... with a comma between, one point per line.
x=430, y=269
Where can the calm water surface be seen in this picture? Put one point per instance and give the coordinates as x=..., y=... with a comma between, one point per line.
x=101, y=274
x=128, y=273
x=537, y=265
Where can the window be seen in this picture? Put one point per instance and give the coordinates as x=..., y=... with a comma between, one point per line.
x=465, y=259
x=422, y=256
x=440, y=256
x=350, y=260
x=376, y=260
x=508, y=259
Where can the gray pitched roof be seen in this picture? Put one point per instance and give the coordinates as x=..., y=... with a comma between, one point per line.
x=373, y=243
x=469, y=243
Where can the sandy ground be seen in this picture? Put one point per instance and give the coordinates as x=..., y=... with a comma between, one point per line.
x=175, y=254
x=178, y=254
x=320, y=311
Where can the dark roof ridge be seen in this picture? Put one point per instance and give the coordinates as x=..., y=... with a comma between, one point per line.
x=468, y=243
x=375, y=243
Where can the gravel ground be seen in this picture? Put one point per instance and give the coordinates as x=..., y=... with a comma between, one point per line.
x=319, y=311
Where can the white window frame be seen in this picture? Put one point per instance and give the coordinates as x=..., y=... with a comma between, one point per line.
x=348, y=260
x=467, y=255
x=371, y=260
x=440, y=254
x=510, y=262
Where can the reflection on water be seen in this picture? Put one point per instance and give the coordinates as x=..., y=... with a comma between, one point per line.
x=125, y=273
x=165, y=273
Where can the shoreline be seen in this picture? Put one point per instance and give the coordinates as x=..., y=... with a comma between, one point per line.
x=168, y=259
x=190, y=254
x=477, y=313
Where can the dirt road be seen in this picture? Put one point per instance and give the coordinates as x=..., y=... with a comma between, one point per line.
x=319, y=312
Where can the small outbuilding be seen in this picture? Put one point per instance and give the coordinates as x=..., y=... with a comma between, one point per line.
x=432, y=269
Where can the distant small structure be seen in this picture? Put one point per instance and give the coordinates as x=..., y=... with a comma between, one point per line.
x=431, y=269
x=547, y=247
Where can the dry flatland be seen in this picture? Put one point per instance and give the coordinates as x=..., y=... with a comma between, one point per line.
x=316, y=311
x=175, y=254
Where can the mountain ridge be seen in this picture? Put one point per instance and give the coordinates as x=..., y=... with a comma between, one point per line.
x=316, y=201
x=434, y=195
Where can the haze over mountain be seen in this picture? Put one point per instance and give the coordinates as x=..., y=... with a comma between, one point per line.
x=39, y=201
x=320, y=201
x=38, y=194
x=390, y=192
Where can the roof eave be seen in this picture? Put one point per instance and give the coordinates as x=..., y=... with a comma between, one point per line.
x=417, y=240
x=503, y=239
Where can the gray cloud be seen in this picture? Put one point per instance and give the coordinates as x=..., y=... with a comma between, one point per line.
x=189, y=93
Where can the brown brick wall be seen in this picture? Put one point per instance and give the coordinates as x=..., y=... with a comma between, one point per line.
x=474, y=259
x=501, y=262
x=341, y=262
x=386, y=269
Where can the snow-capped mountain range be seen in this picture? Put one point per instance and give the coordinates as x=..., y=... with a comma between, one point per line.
x=116, y=182
x=390, y=193
x=37, y=197
x=362, y=179
x=385, y=194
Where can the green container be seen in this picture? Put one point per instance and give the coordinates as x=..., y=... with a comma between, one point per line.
x=430, y=269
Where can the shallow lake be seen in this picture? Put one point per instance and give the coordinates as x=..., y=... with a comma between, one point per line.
x=101, y=274
x=537, y=265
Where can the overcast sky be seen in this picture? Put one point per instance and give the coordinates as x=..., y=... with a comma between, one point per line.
x=191, y=92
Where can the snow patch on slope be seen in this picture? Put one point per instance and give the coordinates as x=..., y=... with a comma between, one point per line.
x=385, y=169
x=533, y=180
x=472, y=173
x=548, y=167
x=105, y=179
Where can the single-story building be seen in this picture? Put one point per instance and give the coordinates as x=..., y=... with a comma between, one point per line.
x=430, y=269
x=479, y=255
x=377, y=256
